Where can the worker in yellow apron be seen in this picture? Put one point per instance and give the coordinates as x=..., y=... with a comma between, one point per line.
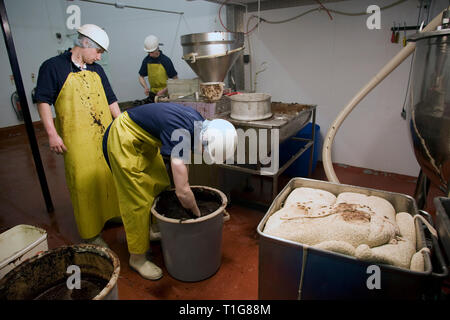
x=85, y=106
x=134, y=145
x=157, y=67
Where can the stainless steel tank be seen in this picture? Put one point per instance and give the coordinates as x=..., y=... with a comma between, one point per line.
x=429, y=105
x=212, y=54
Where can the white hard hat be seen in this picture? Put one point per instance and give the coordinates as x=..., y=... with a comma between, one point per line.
x=151, y=43
x=96, y=34
x=220, y=139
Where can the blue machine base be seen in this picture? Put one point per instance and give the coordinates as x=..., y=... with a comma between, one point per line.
x=299, y=168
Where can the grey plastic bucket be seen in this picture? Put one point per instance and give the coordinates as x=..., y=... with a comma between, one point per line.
x=45, y=277
x=192, y=249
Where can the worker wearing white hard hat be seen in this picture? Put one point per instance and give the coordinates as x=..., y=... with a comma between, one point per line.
x=157, y=67
x=85, y=105
x=134, y=146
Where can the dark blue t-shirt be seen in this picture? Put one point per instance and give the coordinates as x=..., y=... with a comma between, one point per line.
x=162, y=59
x=160, y=120
x=53, y=73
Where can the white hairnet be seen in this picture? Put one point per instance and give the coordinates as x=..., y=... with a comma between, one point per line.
x=85, y=42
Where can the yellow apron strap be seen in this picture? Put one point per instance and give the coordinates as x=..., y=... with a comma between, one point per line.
x=139, y=175
x=157, y=76
x=82, y=116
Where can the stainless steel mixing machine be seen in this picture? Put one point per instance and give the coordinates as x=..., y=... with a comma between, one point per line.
x=212, y=54
x=429, y=107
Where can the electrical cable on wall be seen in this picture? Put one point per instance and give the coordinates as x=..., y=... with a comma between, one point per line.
x=187, y=24
x=323, y=7
x=259, y=13
x=122, y=6
x=351, y=14
x=248, y=32
x=364, y=13
x=176, y=35
x=263, y=68
x=223, y=26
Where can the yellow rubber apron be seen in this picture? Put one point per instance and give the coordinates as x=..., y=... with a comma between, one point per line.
x=82, y=116
x=139, y=175
x=157, y=77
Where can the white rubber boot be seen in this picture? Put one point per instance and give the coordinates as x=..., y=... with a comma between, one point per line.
x=98, y=240
x=145, y=268
x=154, y=235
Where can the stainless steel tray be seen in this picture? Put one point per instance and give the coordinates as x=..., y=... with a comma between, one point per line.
x=336, y=275
x=400, y=202
x=443, y=223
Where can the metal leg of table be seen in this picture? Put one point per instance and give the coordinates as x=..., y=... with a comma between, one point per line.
x=313, y=137
x=274, y=186
x=421, y=190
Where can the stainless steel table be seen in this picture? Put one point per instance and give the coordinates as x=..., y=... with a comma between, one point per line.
x=286, y=121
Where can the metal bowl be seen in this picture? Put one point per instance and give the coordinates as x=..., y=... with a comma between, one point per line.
x=251, y=106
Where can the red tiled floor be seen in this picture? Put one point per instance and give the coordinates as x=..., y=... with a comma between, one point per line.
x=22, y=203
x=237, y=278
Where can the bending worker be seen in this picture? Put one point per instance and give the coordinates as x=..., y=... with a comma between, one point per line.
x=133, y=146
x=157, y=67
x=85, y=105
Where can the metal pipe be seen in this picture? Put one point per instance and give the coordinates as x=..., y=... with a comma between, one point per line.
x=383, y=73
x=24, y=105
x=407, y=28
x=121, y=6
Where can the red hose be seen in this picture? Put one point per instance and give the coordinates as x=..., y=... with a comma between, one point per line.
x=324, y=8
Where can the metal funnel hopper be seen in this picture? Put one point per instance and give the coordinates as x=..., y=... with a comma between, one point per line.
x=212, y=54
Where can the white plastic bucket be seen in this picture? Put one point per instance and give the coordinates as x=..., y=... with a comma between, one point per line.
x=19, y=244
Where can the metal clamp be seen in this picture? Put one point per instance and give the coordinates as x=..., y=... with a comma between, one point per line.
x=436, y=249
x=190, y=57
x=193, y=56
